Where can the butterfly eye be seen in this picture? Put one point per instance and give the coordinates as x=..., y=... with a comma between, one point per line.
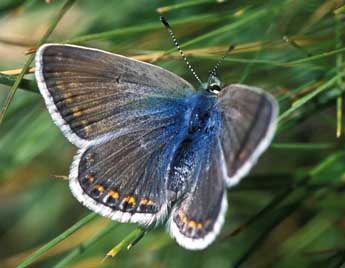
x=214, y=88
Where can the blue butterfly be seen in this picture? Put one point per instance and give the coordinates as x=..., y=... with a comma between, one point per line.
x=151, y=147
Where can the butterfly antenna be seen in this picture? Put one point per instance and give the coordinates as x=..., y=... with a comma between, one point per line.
x=173, y=37
x=213, y=72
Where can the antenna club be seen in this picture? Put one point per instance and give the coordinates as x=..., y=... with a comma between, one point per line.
x=231, y=47
x=165, y=22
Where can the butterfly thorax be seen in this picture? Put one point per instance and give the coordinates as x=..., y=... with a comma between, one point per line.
x=199, y=120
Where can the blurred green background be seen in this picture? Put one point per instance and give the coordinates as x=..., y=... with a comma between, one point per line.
x=289, y=212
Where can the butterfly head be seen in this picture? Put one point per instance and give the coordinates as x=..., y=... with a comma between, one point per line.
x=213, y=85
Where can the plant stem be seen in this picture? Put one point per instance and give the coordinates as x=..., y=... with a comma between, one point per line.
x=308, y=97
x=25, y=84
x=26, y=67
x=303, y=146
x=57, y=240
x=339, y=61
x=125, y=242
x=185, y=4
x=281, y=215
x=138, y=29
x=85, y=245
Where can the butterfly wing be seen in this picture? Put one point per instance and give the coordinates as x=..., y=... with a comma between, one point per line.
x=124, y=178
x=196, y=181
x=249, y=118
x=126, y=117
x=92, y=93
x=240, y=127
x=198, y=218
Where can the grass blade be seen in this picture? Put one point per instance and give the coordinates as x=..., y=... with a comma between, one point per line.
x=57, y=240
x=85, y=245
x=26, y=67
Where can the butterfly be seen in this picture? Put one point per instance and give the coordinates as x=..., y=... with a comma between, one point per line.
x=151, y=147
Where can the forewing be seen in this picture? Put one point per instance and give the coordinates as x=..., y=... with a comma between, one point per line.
x=197, y=219
x=91, y=93
x=125, y=177
x=249, y=118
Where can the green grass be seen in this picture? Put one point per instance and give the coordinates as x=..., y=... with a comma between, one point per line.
x=289, y=212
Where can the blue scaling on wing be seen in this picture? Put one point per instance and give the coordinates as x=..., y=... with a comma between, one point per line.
x=227, y=134
x=92, y=94
x=149, y=144
x=125, y=177
x=126, y=116
x=196, y=183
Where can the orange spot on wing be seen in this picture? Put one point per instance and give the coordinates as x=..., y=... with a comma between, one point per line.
x=146, y=202
x=77, y=114
x=100, y=188
x=114, y=194
x=76, y=111
x=91, y=178
x=130, y=200
x=183, y=217
x=192, y=224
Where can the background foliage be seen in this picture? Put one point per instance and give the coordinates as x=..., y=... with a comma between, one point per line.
x=288, y=213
